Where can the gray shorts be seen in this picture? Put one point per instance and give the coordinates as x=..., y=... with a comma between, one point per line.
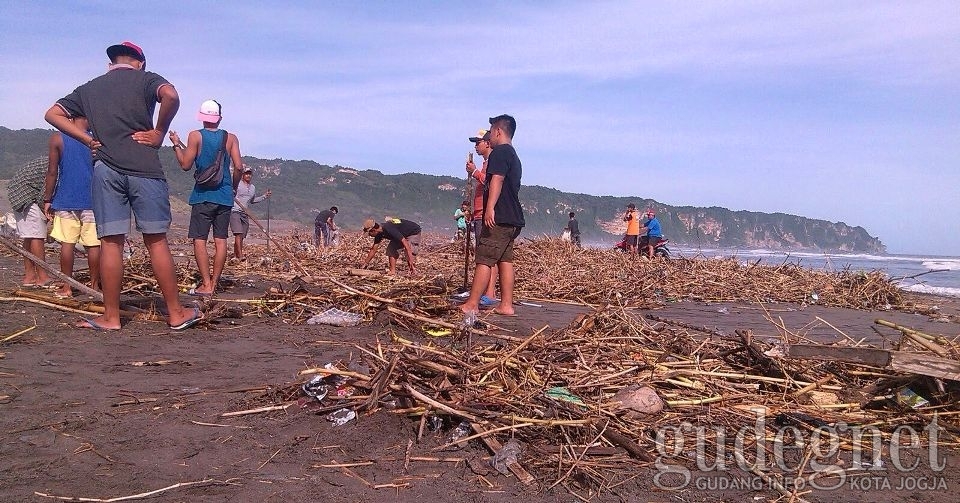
x=116, y=195
x=31, y=224
x=239, y=223
x=394, y=247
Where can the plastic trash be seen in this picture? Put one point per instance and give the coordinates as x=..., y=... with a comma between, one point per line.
x=434, y=423
x=563, y=394
x=909, y=398
x=461, y=431
x=341, y=417
x=336, y=317
x=316, y=388
x=506, y=456
x=469, y=319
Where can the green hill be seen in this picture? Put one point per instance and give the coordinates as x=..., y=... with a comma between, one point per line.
x=302, y=188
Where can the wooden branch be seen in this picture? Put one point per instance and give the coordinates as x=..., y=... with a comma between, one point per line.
x=440, y=405
x=126, y=498
x=495, y=446
x=50, y=269
x=900, y=361
x=257, y=410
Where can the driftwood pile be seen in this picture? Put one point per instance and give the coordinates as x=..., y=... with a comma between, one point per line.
x=591, y=401
x=547, y=269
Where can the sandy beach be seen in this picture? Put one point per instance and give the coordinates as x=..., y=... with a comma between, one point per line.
x=93, y=415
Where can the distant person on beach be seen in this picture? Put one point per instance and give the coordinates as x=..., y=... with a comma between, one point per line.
x=67, y=202
x=401, y=233
x=127, y=174
x=574, y=228
x=323, y=228
x=502, y=218
x=652, y=231
x=210, y=205
x=481, y=144
x=460, y=217
x=633, y=227
x=25, y=192
x=246, y=194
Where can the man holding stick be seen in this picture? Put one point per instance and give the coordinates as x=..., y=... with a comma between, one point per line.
x=502, y=218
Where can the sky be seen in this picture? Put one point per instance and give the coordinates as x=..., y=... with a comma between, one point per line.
x=843, y=111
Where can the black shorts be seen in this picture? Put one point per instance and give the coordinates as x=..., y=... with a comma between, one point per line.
x=205, y=215
x=632, y=240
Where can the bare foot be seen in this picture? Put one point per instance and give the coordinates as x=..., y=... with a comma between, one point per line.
x=466, y=308
x=504, y=312
x=97, y=324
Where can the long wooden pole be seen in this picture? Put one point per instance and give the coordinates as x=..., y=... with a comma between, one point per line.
x=50, y=269
x=293, y=260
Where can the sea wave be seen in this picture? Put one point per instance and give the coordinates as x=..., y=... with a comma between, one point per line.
x=941, y=264
x=935, y=290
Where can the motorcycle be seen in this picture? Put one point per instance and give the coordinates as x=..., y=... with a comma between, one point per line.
x=659, y=248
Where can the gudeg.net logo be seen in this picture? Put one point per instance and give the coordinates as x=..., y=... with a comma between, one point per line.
x=798, y=456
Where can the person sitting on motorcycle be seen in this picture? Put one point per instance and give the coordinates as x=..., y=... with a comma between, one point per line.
x=653, y=233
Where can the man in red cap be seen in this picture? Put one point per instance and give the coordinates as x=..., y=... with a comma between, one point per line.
x=127, y=174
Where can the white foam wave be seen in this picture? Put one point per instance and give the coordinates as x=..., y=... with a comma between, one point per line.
x=941, y=264
x=935, y=290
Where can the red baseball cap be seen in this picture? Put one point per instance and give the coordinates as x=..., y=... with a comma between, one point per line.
x=126, y=49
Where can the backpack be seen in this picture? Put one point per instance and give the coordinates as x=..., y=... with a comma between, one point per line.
x=212, y=176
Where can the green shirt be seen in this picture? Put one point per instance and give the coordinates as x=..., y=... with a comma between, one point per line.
x=26, y=186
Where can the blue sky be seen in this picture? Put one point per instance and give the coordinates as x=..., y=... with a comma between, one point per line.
x=845, y=111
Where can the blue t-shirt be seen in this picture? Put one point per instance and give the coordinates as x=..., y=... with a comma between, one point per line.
x=653, y=228
x=223, y=194
x=73, y=183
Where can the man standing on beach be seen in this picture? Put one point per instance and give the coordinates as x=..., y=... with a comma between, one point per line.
x=210, y=205
x=633, y=227
x=502, y=218
x=67, y=202
x=127, y=174
x=653, y=232
x=574, y=227
x=246, y=194
x=401, y=233
x=481, y=144
x=26, y=195
x=323, y=228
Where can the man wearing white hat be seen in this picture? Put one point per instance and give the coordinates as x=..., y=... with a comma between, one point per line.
x=210, y=202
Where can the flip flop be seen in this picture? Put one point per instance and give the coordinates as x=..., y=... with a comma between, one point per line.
x=193, y=320
x=487, y=301
x=89, y=324
x=195, y=293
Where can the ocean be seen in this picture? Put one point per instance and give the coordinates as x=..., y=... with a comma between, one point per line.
x=938, y=275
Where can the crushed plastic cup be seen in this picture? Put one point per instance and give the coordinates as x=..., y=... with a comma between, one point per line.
x=506, y=456
x=341, y=417
x=336, y=317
